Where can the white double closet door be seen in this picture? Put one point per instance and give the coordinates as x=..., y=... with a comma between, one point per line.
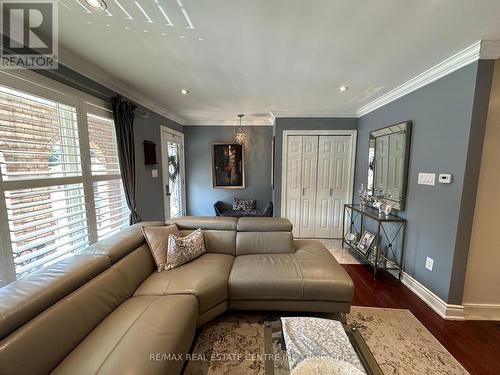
x=318, y=183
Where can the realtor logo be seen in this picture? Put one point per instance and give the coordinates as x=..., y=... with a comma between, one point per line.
x=29, y=35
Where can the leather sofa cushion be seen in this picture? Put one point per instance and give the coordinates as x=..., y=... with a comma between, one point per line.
x=139, y=328
x=310, y=274
x=205, y=222
x=120, y=244
x=264, y=243
x=324, y=278
x=52, y=335
x=23, y=299
x=264, y=224
x=217, y=241
x=136, y=267
x=205, y=277
x=260, y=276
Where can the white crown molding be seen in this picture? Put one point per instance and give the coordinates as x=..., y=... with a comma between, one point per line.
x=490, y=49
x=248, y=121
x=444, y=310
x=291, y=114
x=480, y=311
x=453, y=63
x=89, y=70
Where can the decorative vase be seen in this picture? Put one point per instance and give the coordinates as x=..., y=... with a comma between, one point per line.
x=363, y=197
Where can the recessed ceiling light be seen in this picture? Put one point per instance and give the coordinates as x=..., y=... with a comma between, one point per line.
x=343, y=88
x=97, y=4
x=181, y=36
x=146, y=31
x=127, y=27
x=184, y=91
x=108, y=25
x=200, y=39
x=163, y=34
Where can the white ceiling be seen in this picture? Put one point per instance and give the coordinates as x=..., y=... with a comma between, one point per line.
x=260, y=56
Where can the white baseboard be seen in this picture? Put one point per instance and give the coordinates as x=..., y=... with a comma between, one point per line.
x=445, y=310
x=467, y=311
x=480, y=311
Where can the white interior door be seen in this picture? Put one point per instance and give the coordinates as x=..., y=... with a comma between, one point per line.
x=294, y=181
x=333, y=191
x=309, y=182
x=318, y=176
x=173, y=172
x=324, y=203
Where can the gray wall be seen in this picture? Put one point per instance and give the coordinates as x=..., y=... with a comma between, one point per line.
x=149, y=193
x=442, y=116
x=298, y=123
x=200, y=194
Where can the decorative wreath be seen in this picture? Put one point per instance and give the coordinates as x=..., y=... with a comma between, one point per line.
x=173, y=168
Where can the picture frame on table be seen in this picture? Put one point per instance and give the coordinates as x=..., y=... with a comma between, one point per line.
x=365, y=242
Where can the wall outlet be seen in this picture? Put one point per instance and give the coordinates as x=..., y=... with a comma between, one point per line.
x=154, y=173
x=429, y=263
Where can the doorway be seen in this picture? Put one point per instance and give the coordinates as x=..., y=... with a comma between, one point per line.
x=173, y=172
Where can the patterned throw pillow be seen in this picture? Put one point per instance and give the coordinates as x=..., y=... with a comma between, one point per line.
x=184, y=249
x=243, y=204
x=157, y=239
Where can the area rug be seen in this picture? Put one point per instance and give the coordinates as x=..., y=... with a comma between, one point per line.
x=234, y=344
x=401, y=344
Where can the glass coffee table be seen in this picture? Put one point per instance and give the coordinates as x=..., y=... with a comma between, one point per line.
x=276, y=362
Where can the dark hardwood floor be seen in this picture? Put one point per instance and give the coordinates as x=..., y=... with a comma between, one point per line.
x=475, y=344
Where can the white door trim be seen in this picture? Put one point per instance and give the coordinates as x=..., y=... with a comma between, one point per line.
x=284, y=152
x=165, y=132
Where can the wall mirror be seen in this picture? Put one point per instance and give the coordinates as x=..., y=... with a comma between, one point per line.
x=388, y=155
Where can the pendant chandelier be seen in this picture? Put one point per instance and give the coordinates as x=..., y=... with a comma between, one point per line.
x=241, y=136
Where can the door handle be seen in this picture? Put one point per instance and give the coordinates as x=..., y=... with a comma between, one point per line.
x=331, y=191
x=303, y=191
x=167, y=189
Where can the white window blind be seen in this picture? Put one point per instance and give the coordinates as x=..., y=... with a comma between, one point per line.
x=39, y=138
x=46, y=224
x=112, y=213
x=45, y=189
x=103, y=147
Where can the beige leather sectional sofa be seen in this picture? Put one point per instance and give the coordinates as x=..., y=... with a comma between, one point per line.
x=108, y=311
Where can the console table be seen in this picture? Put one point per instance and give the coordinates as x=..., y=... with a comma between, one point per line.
x=387, y=249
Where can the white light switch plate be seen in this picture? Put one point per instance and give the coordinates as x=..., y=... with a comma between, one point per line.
x=154, y=173
x=427, y=179
x=429, y=263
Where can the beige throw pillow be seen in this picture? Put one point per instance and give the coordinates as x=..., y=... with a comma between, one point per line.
x=185, y=249
x=157, y=239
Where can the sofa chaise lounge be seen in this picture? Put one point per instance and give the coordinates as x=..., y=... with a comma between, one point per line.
x=108, y=311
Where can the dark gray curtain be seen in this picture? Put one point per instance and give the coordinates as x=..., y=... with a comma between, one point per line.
x=123, y=113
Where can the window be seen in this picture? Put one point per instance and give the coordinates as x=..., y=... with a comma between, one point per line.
x=52, y=203
x=112, y=213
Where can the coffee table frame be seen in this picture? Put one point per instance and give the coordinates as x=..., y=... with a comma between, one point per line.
x=365, y=355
